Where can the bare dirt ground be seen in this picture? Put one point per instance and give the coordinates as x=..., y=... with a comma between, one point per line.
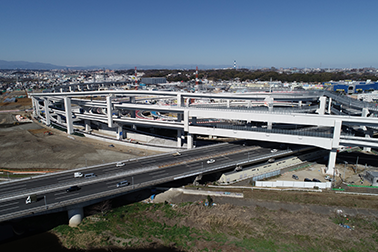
x=35, y=146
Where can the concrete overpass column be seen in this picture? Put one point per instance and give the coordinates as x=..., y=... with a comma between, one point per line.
x=78, y=87
x=47, y=112
x=331, y=161
x=189, y=141
x=300, y=104
x=179, y=117
x=37, y=109
x=365, y=113
x=67, y=107
x=228, y=103
x=119, y=132
x=249, y=103
x=88, y=87
x=59, y=118
x=135, y=127
x=194, y=120
x=61, y=90
x=70, y=88
x=34, y=103
x=335, y=145
x=322, y=105
x=179, y=137
x=75, y=216
x=180, y=100
x=186, y=120
x=109, y=111
x=329, y=105
x=87, y=125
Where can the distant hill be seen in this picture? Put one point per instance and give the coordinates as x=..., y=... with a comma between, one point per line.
x=27, y=65
x=46, y=66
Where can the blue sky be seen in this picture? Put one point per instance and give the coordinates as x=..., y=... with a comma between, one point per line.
x=268, y=33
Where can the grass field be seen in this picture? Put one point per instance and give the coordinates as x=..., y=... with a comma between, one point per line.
x=195, y=227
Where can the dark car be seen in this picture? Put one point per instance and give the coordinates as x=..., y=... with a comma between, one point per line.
x=73, y=188
x=307, y=180
x=295, y=177
x=315, y=180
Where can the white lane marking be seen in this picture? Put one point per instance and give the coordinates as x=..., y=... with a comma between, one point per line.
x=67, y=196
x=11, y=208
x=9, y=204
x=157, y=172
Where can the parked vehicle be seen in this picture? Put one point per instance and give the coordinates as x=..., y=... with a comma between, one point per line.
x=73, y=188
x=123, y=183
x=119, y=164
x=271, y=160
x=273, y=150
x=315, y=180
x=307, y=180
x=295, y=177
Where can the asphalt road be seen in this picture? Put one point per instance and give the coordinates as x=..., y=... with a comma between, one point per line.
x=189, y=163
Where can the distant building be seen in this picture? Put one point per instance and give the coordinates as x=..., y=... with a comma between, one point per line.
x=153, y=80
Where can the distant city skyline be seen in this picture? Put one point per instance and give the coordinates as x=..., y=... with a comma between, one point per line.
x=303, y=34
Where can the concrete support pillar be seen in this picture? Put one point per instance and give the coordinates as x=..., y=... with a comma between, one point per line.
x=335, y=145
x=365, y=113
x=189, y=141
x=79, y=87
x=34, y=103
x=179, y=117
x=300, y=104
x=135, y=127
x=180, y=100
x=87, y=125
x=75, y=216
x=59, y=117
x=269, y=104
x=37, y=110
x=322, y=105
x=194, y=120
x=88, y=87
x=187, y=103
x=329, y=105
x=249, y=103
x=61, y=90
x=331, y=161
x=119, y=132
x=109, y=109
x=70, y=88
x=132, y=99
x=186, y=120
x=47, y=112
x=179, y=137
x=67, y=107
x=228, y=103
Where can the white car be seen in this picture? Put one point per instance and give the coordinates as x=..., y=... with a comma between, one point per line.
x=273, y=150
x=210, y=161
x=119, y=164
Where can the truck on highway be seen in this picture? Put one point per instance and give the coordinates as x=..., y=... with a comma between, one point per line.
x=31, y=198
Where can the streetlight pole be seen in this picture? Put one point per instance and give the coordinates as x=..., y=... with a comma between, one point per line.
x=345, y=162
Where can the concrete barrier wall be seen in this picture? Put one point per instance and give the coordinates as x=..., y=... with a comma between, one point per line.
x=294, y=184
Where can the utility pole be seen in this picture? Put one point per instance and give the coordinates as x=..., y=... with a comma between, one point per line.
x=345, y=162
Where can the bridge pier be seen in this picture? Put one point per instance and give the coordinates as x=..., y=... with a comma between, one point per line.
x=331, y=161
x=75, y=216
x=109, y=111
x=189, y=141
x=322, y=105
x=365, y=113
x=67, y=108
x=329, y=105
x=47, y=112
x=119, y=132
